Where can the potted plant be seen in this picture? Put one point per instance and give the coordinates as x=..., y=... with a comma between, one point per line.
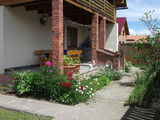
x=77, y=65
x=68, y=65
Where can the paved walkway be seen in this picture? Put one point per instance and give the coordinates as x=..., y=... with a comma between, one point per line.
x=106, y=105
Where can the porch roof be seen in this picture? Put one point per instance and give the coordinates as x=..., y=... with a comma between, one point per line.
x=120, y=3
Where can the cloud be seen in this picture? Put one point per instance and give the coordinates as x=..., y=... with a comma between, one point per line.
x=140, y=32
x=136, y=9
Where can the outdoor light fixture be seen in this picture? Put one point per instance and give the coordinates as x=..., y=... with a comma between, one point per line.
x=43, y=19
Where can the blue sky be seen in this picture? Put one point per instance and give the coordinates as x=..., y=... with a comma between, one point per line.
x=136, y=9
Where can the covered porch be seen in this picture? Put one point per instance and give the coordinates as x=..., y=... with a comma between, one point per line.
x=57, y=25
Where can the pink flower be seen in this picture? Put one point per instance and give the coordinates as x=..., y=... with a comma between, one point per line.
x=70, y=74
x=48, y=64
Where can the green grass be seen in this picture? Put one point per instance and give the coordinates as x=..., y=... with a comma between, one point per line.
x=15, y=115
x=143, y=67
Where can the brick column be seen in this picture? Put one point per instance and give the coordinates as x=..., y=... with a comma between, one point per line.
x=95, y=26
x=57, y=33
x=102, y=33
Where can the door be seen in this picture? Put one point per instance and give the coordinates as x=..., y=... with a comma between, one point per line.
x=72, y=37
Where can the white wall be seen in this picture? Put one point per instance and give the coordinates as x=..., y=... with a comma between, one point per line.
x=23, y=34
x=83, y=32
x=112, y=37
x=1, y=41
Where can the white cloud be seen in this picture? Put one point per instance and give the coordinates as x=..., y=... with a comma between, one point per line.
x=140, y=32
x=136, y=9
x=132, y=32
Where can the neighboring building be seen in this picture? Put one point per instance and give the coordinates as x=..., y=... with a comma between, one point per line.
x=57, y=25
x=123, y=29
x=134, y=38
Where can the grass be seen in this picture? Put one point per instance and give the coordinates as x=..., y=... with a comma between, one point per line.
x=141, y=66
x=141, y=87
x=15, y=115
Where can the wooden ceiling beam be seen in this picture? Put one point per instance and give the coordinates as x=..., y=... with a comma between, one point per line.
x=32, y=3
x=14, y=2
x=37, y=7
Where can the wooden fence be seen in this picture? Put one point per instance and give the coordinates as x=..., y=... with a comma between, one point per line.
x=130, y=53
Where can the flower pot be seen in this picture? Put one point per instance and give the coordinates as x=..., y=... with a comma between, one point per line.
x=77, y=68
x=69, y=69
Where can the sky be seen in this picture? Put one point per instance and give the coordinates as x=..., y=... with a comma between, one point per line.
x=136, y=9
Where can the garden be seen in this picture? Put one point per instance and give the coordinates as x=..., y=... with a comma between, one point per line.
x=49, y=84
x=146, y=88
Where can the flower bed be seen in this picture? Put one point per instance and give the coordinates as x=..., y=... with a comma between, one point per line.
x=49, y=84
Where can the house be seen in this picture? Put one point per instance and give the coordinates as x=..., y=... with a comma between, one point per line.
x=123, y=29
x=57, y=25
x=131, y=39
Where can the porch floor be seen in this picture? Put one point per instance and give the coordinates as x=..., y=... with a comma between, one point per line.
x=85, y=67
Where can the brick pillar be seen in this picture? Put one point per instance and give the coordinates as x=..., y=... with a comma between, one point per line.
x=95, y=26
x=57, y=33
x=102, y=36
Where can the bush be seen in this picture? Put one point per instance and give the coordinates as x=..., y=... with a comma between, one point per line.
x=142, y=85
x=49, y=84
x=128, y=66
x=113, y=74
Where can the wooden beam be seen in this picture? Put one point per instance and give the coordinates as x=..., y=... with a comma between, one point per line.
x=13, y=2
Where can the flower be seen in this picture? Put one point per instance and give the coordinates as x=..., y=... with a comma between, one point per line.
x=81, y=87
x=67, y=85
x=71, y=78
x=70, y=74
x=48, y=64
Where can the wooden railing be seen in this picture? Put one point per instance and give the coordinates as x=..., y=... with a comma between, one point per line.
x=101, y=6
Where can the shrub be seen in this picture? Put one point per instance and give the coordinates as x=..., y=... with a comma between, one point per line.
x=128, y=66
x=112, y=74
x=142, y=85
x=49, y=84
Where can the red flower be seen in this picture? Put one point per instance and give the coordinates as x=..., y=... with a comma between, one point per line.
x=70, y=74
x=81, y=88
x=67, y=85
x=70, y=78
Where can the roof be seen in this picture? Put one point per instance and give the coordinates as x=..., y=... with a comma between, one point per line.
x=122, y=22
x=134, y=38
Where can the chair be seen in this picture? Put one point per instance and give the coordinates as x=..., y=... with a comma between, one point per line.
x=75, y=54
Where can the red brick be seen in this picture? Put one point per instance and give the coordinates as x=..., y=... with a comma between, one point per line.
x=57, y=33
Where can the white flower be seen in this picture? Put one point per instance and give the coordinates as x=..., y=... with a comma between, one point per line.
x=98, y=83
x=86, y=86
x=92, y=94
x=91, y=88
x=90, y=82
x=82, y=92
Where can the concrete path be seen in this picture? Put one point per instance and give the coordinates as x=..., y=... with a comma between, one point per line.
x=106, y=105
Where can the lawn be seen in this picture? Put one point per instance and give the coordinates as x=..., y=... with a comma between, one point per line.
x=15, y=115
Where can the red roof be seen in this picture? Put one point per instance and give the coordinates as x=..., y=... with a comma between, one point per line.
x=122, y=22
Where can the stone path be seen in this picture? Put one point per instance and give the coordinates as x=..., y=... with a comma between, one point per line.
x=106, y=105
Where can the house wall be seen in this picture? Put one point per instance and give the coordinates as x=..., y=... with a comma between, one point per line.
x=1, y=41
x=83, y=32
x=23, y=34
x=112, y=37
x=122, y=36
